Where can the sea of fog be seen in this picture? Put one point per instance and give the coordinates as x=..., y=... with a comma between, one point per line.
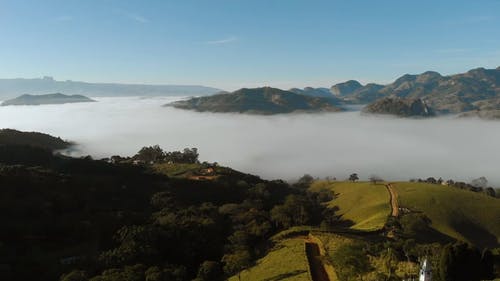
x=281, y=146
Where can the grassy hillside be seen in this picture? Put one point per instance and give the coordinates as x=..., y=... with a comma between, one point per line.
x=287, y=262
x=178, y=169
x=363, y=203
x=14, y=137
x=333, y=242
x=461, y=214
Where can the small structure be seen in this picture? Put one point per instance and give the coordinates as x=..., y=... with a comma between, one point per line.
x=425, y=271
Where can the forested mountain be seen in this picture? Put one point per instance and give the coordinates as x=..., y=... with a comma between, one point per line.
x=264, y=100
x=57, y=98
x=45, y=141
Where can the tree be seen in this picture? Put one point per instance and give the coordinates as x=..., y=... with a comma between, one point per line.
x=297, y=210
x=351, y=262
x=236, y=262
x=209, y=271
x=281, y=217
x=431, y=180
x=481, y=182
x=487, y=265
x=375, y=179
x=305, y=181
x=353, y=177
x=490, y=192
x=188, y=155
x=191, y=155
x=390, y=262
x=162, y=200
x=459, y=262
x=446, y=264
x=150, y=154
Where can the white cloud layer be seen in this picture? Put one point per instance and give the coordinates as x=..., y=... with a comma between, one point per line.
x=282, y=146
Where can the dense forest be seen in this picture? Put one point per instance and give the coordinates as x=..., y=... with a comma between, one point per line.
x=103, y=220
x=141, y=218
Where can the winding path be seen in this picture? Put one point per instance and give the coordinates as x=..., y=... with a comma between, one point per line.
x=394, y=200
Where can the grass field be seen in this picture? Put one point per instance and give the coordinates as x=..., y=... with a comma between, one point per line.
x=365, y=204
x=462, y=214
x=332, y=242
x=176, y=170
x=286, y=261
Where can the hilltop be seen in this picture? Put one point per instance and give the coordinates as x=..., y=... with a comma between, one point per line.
x=57, y=98
x=401, y=107
x=476, y=90
x=425, y=213
x=264, y=100
x=35, y=139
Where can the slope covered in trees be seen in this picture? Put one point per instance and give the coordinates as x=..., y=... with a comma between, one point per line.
x=264, y=100
x=15, y=137
x=46, y=99
x=84, y=219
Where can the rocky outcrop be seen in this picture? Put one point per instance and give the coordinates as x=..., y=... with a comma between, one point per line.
x=401, y=107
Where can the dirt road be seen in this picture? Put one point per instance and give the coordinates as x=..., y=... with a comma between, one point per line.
x=394, y=200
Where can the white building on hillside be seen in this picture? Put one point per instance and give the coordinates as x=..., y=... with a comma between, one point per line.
x=425, y=271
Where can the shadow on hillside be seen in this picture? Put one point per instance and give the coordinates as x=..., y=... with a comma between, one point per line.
x=475, y=233
x=285, y=275
x=418, y=226
x=340, y=222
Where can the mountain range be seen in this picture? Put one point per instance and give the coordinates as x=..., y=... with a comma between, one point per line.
x=10, y=88
x=475, y=93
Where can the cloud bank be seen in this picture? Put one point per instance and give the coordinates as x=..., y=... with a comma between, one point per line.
x=283, y=146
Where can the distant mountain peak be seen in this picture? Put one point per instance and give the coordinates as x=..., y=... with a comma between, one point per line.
x=56, y=98
x=405, y=78
x=345, y=88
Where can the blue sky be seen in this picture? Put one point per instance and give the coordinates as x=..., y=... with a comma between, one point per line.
x=244, y=43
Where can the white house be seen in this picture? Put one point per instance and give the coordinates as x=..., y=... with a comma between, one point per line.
x=425, y=271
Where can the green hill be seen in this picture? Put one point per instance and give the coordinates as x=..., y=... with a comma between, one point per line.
x=264, y=100
x=461, y=214
x=363, y=204
x=428, y=212
x=286, y=261
x=46, y=99
x=14, y=137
